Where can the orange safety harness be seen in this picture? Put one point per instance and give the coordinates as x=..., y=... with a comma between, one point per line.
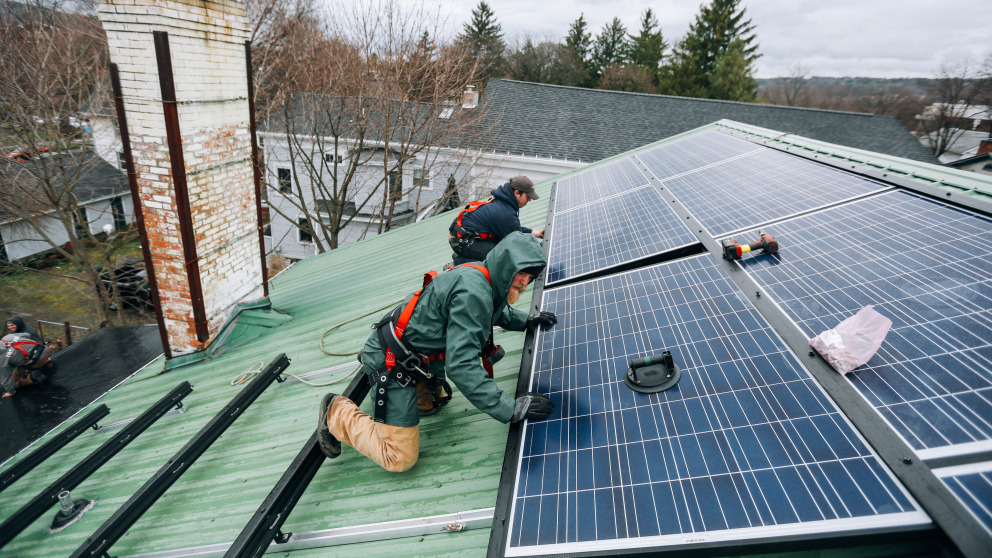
x=458, y=237
x=406, y=366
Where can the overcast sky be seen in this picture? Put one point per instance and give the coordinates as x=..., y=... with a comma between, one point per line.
x=874, y=38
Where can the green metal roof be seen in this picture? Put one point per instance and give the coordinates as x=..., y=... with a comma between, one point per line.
x=461, y=448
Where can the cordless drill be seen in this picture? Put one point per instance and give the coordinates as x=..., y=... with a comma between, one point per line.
x=733, y=251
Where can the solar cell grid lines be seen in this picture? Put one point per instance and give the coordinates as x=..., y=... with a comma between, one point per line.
x=972, y=484
x=693, y=152
x=928, y=267
x=596, y=184
x=746, y=446
x=761, y=187
x=625, y=228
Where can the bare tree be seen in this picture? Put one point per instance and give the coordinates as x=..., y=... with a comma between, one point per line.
x=54, y=64
x=791, y=90
x=373, y=100
x=954, y=93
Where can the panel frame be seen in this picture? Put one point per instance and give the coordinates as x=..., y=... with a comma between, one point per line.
x=953, y=517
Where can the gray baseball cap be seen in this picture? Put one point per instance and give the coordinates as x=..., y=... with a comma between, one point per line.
x=525, y=185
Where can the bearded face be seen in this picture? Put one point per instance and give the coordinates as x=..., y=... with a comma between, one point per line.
x=520, y=282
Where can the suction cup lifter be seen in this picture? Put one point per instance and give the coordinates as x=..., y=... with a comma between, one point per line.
x=652, y=374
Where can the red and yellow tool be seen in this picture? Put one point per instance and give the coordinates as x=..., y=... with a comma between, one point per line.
x=734, y=251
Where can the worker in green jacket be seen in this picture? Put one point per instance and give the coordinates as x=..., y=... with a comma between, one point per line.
x=445, y=330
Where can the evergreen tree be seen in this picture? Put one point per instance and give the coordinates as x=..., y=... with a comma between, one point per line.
x=733, y=78
x=611, y=46
x=689, y=71
x=483, y=36
x=578, y=44
x=648, y=47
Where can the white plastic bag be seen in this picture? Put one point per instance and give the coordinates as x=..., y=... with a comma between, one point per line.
x=854, y=341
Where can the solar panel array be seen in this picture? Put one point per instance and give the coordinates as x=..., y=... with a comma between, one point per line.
x=597, y=184
x=694, y=152
x=746, y=446
x=926, y=266
x=761, y=187
x=973, y=485
x=623, y=228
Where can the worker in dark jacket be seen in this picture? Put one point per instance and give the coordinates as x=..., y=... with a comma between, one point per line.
x=17, y=325
x=447, y=328
x=481, y=225
x=43, y=360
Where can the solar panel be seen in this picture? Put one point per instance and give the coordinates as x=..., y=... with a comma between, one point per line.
x=746, y=446
x=694, y=152
x=596, y=184
x=621, y=229
x=928, y=267
x=760, y=187
x=972, y=484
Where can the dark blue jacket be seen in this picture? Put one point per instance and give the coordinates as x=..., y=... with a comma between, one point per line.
x=501, y=217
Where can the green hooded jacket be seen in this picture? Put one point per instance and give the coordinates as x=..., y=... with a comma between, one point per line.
x=455, y=315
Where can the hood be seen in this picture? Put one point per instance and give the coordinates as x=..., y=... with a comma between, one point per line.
x=516, y=252
x=18, y=322
x=505, y=193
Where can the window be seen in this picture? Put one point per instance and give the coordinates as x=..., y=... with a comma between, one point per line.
x=330, y=159
x=117, y=210
x=81, y=223
x=305, y=234
x=285, y=178
x=421, y=180
x=395, y=185
x=120, y=161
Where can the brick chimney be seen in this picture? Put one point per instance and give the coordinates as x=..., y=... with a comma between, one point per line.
x=984, y=147
x=184, y=83
x=470, y=97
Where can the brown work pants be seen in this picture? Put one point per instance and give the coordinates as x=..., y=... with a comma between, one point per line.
x=394, y=448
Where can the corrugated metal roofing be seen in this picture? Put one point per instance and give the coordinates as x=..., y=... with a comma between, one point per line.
x=461, y=448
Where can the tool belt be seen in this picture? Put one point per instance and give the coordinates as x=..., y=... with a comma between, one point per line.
x=403, y=365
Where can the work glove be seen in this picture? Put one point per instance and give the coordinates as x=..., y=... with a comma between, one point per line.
x=532, y=406
x=542, y=319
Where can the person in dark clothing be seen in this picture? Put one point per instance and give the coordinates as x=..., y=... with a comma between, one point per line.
x=16, y=325
x=10, y=359
x=481, y=225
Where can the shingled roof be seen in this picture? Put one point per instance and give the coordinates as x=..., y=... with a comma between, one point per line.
x=590, y=124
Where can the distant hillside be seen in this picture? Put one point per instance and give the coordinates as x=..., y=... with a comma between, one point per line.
x=858, y=85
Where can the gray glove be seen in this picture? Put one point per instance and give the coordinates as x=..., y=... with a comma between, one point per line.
x=532, y=406
x=542, y=319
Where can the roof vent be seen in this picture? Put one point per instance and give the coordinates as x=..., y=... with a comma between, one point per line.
x=470, y=98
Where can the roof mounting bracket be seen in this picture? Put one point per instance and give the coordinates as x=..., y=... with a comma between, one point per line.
x=122, y=520
x=44, y=501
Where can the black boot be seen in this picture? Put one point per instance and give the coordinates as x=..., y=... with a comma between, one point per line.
x=327, y=442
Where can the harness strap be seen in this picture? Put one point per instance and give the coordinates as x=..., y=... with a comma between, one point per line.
x=413, y=366
x=461, y=238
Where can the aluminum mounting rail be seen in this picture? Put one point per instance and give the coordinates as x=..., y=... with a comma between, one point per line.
x=44, y=501
x=38, y=456
x=114, y=528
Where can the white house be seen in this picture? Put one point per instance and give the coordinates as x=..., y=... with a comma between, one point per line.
x=105, y=201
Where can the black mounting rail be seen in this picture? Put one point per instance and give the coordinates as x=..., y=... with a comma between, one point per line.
x=24, y=466
x=265, y=526
x=49, y=497
x=114, y=528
